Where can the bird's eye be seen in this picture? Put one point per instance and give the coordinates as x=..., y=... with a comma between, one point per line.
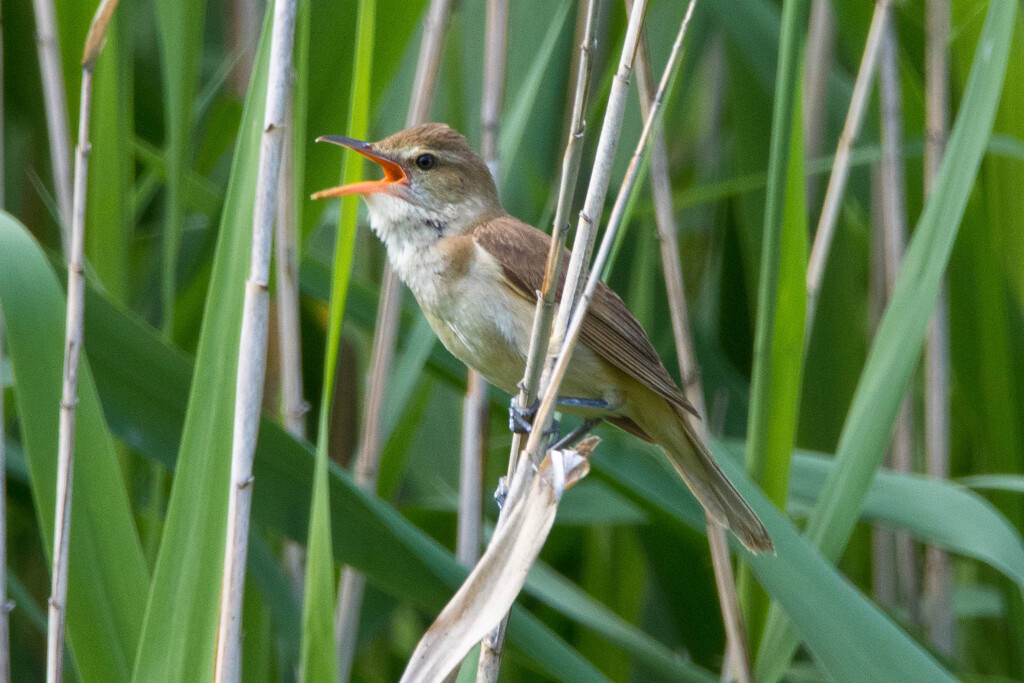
x=426, y=161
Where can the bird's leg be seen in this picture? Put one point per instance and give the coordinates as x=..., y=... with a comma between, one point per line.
x=576, y=434
x=573, y=402
x=520, y=420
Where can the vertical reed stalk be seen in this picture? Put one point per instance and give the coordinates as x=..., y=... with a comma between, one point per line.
x=821, y=37
x=252, y=350
x=545, y=312
x=841, y=166
x=350, y=594
x=475, y=412
x=661, y=191
x=350, y=590
x=57, y=126
x=489, y=663
x=570, y=336
x=895, y=230
x=293, y=403
x=938, y=574
x=883, y=546
x=475, y=415
x=72, y=348
x=601, y=174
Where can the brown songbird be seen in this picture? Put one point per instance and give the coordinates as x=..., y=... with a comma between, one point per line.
x=475, y=271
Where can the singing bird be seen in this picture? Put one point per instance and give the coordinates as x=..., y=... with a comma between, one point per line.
x=475, y=271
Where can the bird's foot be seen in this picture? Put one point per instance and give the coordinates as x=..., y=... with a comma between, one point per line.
x=520, y=420
x=501, y=493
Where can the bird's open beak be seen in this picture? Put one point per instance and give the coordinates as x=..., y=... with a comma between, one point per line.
x=393, y=173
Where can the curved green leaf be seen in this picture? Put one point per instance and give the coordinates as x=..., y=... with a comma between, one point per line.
x=850, y=638
x=179, y=635
x=933, y=510
x=107, y=576
x=897, y=345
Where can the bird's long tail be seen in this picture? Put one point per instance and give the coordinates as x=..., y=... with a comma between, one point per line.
x=671, y=429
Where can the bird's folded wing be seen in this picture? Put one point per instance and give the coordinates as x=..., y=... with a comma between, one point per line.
x=609, y=329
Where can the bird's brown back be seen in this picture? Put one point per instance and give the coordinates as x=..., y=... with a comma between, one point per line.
x=609, y=329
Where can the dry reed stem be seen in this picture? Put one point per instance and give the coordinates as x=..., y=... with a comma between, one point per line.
x=72, y=349
x=938, y=574
x=57, y=126
x=350, y=594
x=252, y=352
x=489, y=663
x=821, y=37
x=570, y=337
x=601, y=173
x=289, y=333
x=737, y=647
x=475, y=415
x=883, y=545
x=895, y=230
x=545, y=312
x=841, y=166
x=495, y=44
x=293, y=404
x=497, y=578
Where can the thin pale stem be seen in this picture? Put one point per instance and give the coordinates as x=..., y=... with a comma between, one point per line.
x=661, y=191
x=72, y=348
x=489, y=663
x=600, y=177
x=471, y=471
x=821, y=36
x=385, y=333
x=495, y=44
x=57, y=126
x=938, y=574
x=841, y=166
x=895, y=230
x=293, y=403
x=571, y=336
x=545, y=312
x=252, y=352
x=883, y=547
x=243, y=36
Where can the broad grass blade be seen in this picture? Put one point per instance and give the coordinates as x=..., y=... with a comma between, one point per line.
x=107, y=575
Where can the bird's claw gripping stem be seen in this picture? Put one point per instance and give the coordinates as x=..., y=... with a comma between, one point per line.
x=501, y=493
x=520, y=420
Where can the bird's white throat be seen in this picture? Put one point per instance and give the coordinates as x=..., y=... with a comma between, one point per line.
x=411, y=234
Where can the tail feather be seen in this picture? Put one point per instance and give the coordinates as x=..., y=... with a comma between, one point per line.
x=694, y=463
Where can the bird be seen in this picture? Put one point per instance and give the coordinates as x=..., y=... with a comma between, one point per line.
x=475, y=272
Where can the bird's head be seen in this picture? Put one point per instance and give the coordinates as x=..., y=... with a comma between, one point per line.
x=433, y=181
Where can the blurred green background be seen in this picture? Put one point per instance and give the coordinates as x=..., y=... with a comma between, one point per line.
x=624, y=588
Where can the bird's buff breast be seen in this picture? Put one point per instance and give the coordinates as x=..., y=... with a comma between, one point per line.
x=473, y=314
x=463, y=294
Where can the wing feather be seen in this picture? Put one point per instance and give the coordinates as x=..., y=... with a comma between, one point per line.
x=609, y=329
